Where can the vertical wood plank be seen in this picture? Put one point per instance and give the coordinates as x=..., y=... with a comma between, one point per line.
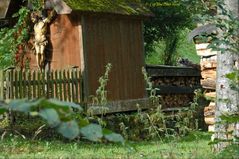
x=52, y=84
x=7, y=85
x=29, y=85
x=15, y=84
x=64, y=86
x=38, y=84
x=69, y=86
x=76, y=86
x=85, y=71
x=11, y=85
x=24, y=88
x=43, y=87
x=47, y=87
x=20, y=84
x=1, y=85
x=34, y=92
x=81, y=86
x=60, y=85
x=73, y=85
x=57, y=95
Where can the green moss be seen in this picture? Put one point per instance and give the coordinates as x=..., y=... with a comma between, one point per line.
x=134, y=7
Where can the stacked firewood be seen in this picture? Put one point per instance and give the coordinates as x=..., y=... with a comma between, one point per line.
x=172, y=100
x=175, y=100
x=176, y=81
x=208, y=71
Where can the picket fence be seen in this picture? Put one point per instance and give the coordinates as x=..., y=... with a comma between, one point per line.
x=64, y=85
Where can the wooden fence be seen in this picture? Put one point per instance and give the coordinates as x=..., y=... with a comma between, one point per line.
x=176, y=87
x=64, y=85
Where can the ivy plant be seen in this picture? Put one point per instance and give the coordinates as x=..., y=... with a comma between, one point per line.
x=13, y=38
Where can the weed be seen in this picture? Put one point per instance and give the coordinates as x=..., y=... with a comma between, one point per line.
x=155, y=123
x=100, y=99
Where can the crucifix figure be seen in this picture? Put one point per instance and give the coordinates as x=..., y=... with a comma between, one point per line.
x=40, y=40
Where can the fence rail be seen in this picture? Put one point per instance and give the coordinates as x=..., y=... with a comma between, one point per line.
x=64, y=85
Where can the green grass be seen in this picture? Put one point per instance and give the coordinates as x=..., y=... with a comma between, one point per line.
x=185, y=49
x=193, y=146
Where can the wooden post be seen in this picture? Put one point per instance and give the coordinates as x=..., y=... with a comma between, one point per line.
x=1, y=85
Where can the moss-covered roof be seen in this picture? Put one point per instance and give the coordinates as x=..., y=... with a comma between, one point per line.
x=126, y=7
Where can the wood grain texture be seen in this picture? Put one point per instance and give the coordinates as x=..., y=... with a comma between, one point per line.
x=117, y=41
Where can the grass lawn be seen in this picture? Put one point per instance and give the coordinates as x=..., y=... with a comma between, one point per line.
x=193, y=146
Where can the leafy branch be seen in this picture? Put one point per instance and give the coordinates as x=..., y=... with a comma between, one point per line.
x=13, y=38
x=62, y=117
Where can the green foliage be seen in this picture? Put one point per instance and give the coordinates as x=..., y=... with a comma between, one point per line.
x=133, y=7
x=234, y=77
x=230, y=118
x=170, y=18
x=154, y=123
x=157, y=123
x=51, y=116
x=12, y=38
x=184, y=49
x=92, y=132
x=227, y=23
x=37, y=5
x=70, y=129
x=111, y=136
x=193, y=146
x=232, y=151
x=226, y=41
x=100, y=99
x=60, y=116
x=152, y=91
x=101, y=92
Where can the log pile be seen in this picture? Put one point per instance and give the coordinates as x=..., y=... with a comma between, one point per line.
x=175, y=84
x=175, y=100
x=170, y=93
x=208, y=71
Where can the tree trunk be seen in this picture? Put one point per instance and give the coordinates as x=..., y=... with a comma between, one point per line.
x=227, y=99
x=170, y=50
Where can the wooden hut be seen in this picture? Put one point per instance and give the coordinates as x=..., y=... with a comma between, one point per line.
x=89, y=36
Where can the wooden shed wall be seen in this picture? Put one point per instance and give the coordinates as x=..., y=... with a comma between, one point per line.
x=118, y=41
x=65, y=44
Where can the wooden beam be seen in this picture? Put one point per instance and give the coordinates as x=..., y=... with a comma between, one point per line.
x=1, y=85
x=120, y=106
x=176, y=89
x=169, y=71
x=85, y=83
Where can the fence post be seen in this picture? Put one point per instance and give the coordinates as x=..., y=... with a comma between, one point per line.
x=1, y=85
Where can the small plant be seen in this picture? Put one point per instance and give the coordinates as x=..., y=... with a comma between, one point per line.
x=101, y=92
x=100, y=99
x=151, y=89
x=61, y=116
x=155, y=123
